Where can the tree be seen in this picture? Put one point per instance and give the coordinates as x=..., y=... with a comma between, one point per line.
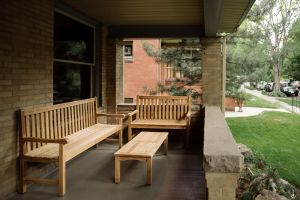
x=292, y=60
x=187, y=65
x=272, y=19
x=247, y=57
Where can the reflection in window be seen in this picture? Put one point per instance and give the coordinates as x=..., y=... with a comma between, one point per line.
x=73, y=59
x=72, y=40
x=71, y=82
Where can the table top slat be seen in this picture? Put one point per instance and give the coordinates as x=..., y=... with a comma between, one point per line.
x=144, y=144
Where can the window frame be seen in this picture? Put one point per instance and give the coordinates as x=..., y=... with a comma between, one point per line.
x=87, y=64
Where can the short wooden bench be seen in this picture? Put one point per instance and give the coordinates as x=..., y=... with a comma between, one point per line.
x=142, y=148
x=60, y=132
x=161, y=112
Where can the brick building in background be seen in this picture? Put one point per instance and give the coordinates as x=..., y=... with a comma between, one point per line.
x=140, y=70
x=142, y=74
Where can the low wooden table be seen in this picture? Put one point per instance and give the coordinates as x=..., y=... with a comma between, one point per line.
x=142, y=148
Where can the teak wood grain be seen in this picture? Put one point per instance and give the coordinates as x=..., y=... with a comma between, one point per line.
x=161, y=112
x=142, y=148
x=60, y=132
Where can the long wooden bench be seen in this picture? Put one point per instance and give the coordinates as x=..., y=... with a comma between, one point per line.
x=161, y=112
x=60, y=132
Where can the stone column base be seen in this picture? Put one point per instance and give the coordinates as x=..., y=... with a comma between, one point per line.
x=221, y=186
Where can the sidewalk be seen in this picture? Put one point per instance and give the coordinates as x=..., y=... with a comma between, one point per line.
x=273, y=100
x=252, y=111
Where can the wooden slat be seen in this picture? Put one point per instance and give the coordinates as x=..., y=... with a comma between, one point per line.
x=27, y=133
x=55, y=131
x=67, y=122
x=90, y=115
x=59, y=123
x=47, y=125
x=38, y=129
x=168, y=109
x=84, y=115
x=81, y=116
x=156, y=108
x=63, y=130
x=178, y=109
x=33, y=130
x=148, y=108
x=51, y=123
x=43, y=130
x=72, y=120
x=76, y=118
x=159, y=109
x=94, y=114
x=141, y=108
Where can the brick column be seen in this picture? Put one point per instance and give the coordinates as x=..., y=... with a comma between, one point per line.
x=213, y=72
x=26, y=68
x=112, y=73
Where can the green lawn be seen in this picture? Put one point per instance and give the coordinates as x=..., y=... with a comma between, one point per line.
x=275, y=135
x=253, y=101
x=289, y=101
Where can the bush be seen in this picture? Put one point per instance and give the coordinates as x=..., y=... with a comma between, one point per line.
x=258, y=175
x=274, y=94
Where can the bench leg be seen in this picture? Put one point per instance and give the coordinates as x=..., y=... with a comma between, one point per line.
x=62, y=172
x=149, y=171
x=129, y=133
x=120, y=138
x=166, y=146
x=117, y=169
x=23, y=186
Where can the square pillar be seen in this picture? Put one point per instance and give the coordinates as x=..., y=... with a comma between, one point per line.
x=213, y=71
x=112, y=72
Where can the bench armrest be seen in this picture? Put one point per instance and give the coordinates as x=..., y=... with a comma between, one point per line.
x=111, y=115
x=33, y=139
x=133, y=113
x=188, y=115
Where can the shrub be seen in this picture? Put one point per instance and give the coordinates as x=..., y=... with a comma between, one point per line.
x=274, y=94
x=258, y=175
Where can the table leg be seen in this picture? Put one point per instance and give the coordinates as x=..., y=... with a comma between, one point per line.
x=117, y=169
x=149, y=171
x=166, y=146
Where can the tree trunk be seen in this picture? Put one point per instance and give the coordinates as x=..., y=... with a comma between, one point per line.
x=277, y=76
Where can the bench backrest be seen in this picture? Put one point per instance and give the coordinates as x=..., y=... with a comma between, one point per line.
x=163, y=107
x=57, y=121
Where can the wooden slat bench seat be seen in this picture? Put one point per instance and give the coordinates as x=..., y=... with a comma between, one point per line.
x=142, y=148
x=161, y=112
x=60, y=132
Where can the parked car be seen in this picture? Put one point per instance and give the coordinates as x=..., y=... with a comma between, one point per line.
x=290, y=91
x=268, y=87
x=261, y=85
x=296, y=84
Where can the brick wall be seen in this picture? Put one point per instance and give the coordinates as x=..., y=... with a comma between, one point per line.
x=141, y=71
x=26, y=45
x=112, y=66
x=212, y=72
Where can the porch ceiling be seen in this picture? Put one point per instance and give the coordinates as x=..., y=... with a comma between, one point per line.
x=208, y=16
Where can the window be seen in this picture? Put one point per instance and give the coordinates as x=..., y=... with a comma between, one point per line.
x=128, y=51
x=73, y=59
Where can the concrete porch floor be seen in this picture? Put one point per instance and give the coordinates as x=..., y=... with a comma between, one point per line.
x=91, y=176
